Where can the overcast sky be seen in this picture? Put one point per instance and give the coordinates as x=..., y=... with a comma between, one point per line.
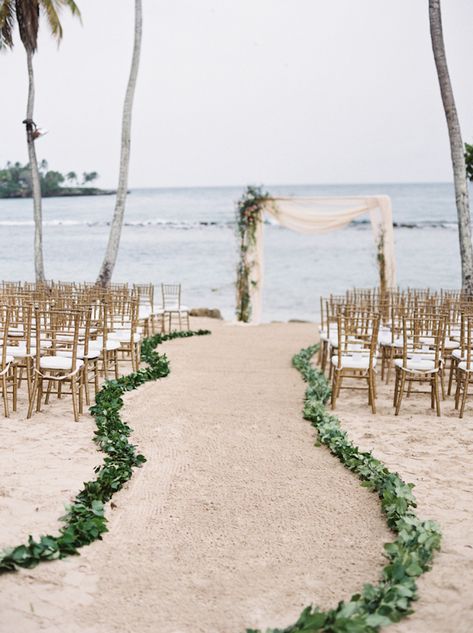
x=239, y=91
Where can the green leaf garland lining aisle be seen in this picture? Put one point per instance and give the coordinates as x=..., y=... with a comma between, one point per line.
x=85, y=521
x=409, y=556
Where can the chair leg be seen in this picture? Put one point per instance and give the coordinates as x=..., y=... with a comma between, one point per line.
x=105, y=364
x=74, y=399
x=372, y=391
x=34, y=389
x=15, y=388
x=85, y=381
x=465, y=392
x=96, y=376
x=48, y=392
x=335, y=388
x=437, y=379
x=401, y=393
x=396, y=388
x=80, y=386
x=5, y=396
x=458, y=379
x=450, y=375
x=29, y=366
x=115, y=359
x=442, y=381
x=39, y=394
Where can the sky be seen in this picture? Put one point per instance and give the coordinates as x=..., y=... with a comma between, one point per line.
x=232, y=92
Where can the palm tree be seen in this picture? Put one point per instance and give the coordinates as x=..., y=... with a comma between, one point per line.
x=71, y=177
x=456, y=146
x=27, y=13
x=108, y=264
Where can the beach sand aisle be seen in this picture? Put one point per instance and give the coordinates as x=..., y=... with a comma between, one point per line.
x=236, y=520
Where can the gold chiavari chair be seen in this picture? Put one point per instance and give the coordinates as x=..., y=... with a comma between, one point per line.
x=62, y=328
x=421, y=361
x=356, y=355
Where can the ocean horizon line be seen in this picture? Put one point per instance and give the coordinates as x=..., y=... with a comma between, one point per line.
x=293, y=184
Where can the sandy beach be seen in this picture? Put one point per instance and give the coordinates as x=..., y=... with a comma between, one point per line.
x=237, y=520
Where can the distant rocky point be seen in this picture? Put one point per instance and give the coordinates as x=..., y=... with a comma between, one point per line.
x=15, y=182
x=211, y=313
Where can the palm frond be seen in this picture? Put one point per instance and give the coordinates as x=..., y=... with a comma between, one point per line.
x=52, y=16
x=27, y=15
x=52, y=10
x=7, y=23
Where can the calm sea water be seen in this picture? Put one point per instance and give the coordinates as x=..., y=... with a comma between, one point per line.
x=187, y=235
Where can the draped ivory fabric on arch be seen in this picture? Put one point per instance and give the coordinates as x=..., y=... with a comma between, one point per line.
x=320, y=215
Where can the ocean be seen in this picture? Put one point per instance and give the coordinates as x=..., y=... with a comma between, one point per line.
x=187, y=235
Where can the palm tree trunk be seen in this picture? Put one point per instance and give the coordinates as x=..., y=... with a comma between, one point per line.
x=456, y=146
x=106, y=271
x=35, y=181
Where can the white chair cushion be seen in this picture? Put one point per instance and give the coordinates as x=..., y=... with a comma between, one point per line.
x=449, y=344
x=462, y=366
x=58, y=362
x=112, y=344
x=384, y=338
x=144, y=312
x=20, y=351
x=457, y=353
x=91, y=353
x=419, y=364
x=357, y=361
x=173, y=307
x=124, y=336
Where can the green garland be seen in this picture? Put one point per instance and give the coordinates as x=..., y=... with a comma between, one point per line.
x=249, y=215
x=85, y=521
x=410, y=555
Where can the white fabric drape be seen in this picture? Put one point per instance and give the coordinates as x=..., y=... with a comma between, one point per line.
x=322, y=214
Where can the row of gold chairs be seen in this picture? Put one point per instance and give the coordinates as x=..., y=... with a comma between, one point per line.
x=420, y=335
x=61, y=338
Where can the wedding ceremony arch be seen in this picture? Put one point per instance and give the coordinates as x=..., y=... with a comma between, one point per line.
x=305, y=215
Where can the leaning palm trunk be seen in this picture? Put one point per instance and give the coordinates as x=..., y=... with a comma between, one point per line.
x=456, y=146
x=106, y=271
x=35, y=181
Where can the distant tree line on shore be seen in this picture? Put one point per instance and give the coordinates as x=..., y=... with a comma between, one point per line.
x=16, y=182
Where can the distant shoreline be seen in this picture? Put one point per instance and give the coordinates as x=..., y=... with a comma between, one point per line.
x=66, y=192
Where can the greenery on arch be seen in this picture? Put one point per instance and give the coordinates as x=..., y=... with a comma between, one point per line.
x=249, y=214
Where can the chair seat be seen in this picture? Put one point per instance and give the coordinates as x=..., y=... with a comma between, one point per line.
x=91, y=353
x=397, y=343
x=60, y=363
x=463, y=366
x=144, y=312
x=112, y=344
x=348, y=347
x=16, y=332
x=430, y=340
x=457, y=354
x=356, y=361
x=174, y=307
x=124, y=335
x=418, y=364
x=384, y=338
x=453, y=345
x=20, y=351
